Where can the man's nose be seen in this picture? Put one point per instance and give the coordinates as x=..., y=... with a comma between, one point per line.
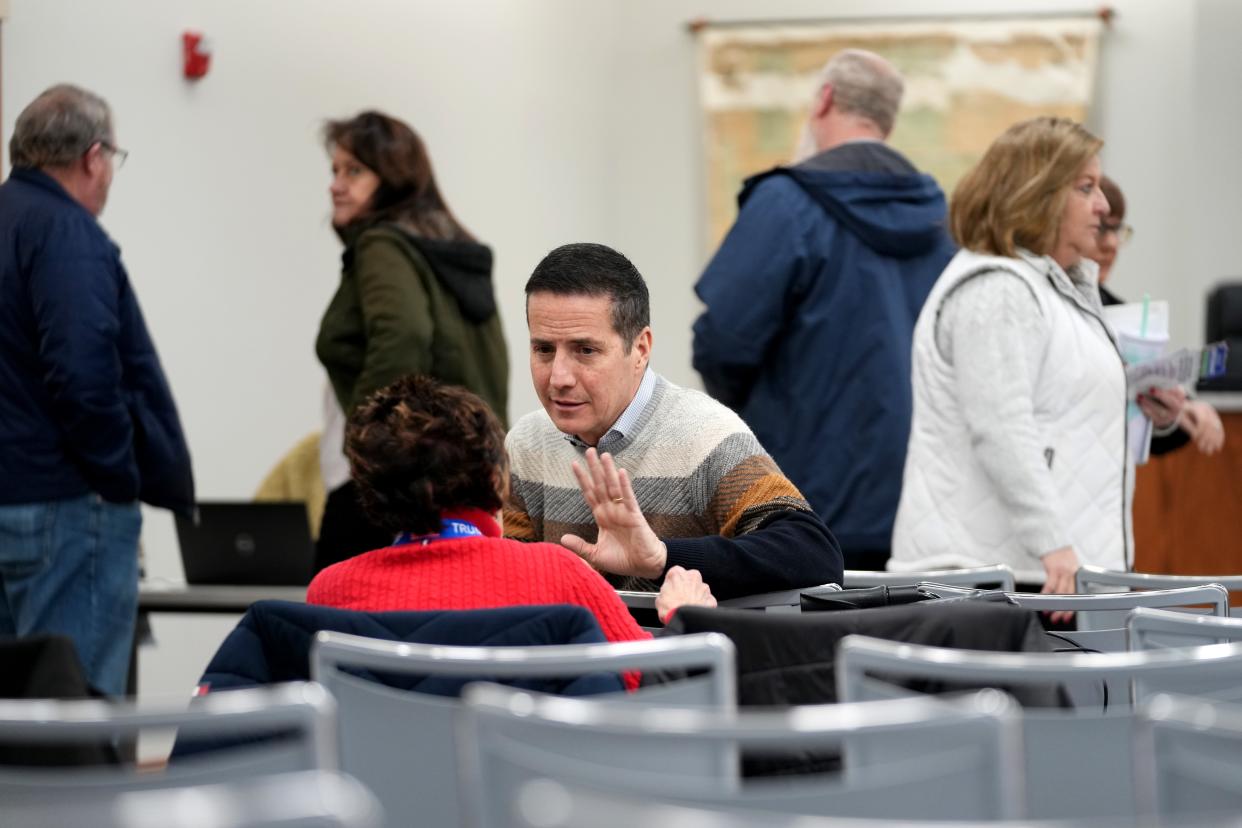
x=562, y=371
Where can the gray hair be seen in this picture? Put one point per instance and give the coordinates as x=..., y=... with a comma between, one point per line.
x=864, y=84
x=57, y=127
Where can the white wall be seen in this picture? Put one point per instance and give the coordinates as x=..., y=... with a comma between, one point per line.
x=1165, y=106
x=222, y=208
x=1212, y=194
x=549, y=121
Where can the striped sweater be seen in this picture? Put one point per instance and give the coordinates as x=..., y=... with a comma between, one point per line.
x=704, y=484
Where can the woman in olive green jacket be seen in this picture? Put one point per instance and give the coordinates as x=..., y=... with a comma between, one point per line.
x=416, y=295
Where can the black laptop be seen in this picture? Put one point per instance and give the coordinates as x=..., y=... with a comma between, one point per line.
x=254, y=543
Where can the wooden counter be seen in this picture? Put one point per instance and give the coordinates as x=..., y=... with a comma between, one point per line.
x=1188, y=507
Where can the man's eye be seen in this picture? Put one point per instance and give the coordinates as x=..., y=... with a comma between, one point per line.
x=587, y=350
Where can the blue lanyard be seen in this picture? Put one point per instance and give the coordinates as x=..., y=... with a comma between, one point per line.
x=450, y=528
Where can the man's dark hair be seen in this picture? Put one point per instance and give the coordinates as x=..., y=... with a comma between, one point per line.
x=585, y=269
x=418, y=447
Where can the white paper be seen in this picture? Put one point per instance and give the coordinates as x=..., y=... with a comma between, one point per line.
x=1139, y=340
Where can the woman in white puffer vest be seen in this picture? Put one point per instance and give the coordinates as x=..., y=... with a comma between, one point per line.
x=1017, y=450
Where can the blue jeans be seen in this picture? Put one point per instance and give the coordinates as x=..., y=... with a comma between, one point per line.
x=70, y=567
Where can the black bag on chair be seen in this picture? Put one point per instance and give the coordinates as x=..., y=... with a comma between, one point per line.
x=865, y=598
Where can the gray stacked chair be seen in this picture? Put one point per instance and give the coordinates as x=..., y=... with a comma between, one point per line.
x=548, y=803
x=1090, y=577
x=1102, y=617
x=1078, y=762
x=1157, y=629
x=304, y=799
x=401, y=743
x=977, y=576
x=303, y=714
x=1192, y=749
x=906, y=759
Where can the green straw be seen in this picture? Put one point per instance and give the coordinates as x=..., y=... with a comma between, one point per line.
x=1143, y=323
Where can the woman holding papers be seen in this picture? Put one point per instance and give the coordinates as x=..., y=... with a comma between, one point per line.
x=1199, y=420
x=1017, y=450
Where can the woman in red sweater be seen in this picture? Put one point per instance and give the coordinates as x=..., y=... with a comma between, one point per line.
x=429, y=464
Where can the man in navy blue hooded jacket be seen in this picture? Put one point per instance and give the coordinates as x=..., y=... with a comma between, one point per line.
x=87, y=422
x=811, y=304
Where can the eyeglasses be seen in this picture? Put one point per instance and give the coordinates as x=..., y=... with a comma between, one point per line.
x=1124, y=232
x=118, y=155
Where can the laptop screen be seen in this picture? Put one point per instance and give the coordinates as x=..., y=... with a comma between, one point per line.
x=247, y=543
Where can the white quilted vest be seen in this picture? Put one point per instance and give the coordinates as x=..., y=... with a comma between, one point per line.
x=950, y=514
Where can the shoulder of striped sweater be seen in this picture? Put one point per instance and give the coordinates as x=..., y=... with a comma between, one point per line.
x=701, y=416
x=531, y=426
x=532, y=441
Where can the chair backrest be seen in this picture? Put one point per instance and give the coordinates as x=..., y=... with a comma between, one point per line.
x=1077, y=762
x=1102, y=617
x=977, y=576
x=400, y=743
x=1157, y=629
x=1191, y=752
x=282, y=728
x=304, y=799
x=1092, y=576
x=642, y=608
x=903, y=759
x=541, y=802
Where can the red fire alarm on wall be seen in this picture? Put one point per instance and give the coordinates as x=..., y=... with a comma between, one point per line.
x=197, y=52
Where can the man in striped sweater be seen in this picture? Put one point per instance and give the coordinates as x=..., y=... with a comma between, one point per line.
x=713, y=498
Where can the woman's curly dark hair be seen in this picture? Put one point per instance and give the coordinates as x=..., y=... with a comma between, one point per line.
x=419, y=447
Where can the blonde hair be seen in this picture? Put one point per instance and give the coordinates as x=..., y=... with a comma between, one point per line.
x=1015, y=195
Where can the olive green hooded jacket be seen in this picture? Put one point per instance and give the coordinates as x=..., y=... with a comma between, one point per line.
x=408, y=304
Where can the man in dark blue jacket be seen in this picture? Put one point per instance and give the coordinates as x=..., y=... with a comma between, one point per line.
x=811, y=304
x=88, y=427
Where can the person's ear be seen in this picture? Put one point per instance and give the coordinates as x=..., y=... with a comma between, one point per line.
x=642, y=347
x=824, y=102
x=93, y=159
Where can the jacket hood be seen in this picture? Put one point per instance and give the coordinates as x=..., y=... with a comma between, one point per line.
x=464, y=268
x=897, y=215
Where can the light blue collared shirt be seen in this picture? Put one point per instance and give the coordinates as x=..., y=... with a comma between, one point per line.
x=625, y=423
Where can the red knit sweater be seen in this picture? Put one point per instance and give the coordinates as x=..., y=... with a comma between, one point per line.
x=474, y=573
